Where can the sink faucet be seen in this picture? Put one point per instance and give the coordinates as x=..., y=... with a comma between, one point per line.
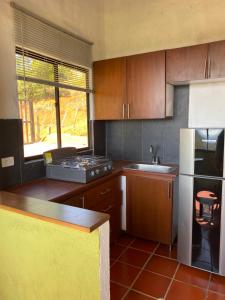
x=155, y=158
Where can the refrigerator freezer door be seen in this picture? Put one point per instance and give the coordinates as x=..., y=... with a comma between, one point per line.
x=187, y=151
x=185, y=219
x=209, y=152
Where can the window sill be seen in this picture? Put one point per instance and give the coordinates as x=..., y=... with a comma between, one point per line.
x=28, y=161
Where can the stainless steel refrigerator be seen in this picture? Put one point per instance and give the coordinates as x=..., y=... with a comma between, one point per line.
x=201, y=221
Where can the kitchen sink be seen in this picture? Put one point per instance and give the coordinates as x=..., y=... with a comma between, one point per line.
x=151, y=168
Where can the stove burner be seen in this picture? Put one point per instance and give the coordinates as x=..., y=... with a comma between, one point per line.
x=82, y=162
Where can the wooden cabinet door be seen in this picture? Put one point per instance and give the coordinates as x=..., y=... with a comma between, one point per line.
x=109, y=89
x=188, y=63
x=107, y=198
x=149, y=208
x=146, y=85
x=216, y=60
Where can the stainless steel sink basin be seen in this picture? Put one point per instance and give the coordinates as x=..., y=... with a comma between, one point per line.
x=151, y=168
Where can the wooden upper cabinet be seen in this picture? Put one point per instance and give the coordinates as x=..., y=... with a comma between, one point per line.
x=216, y=60
x=146, y=86
x=188, y=63
x=109, y=88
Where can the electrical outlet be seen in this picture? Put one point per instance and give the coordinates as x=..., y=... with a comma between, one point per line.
x=7, y=162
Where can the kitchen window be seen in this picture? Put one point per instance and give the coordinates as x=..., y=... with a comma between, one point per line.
x=53, y=103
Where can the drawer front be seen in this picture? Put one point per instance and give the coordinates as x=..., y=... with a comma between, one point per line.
x=76, y=201
x=104, y=207
x=101, y=193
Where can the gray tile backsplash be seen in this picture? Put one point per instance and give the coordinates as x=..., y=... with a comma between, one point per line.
x=11, y=146
x=130, y=140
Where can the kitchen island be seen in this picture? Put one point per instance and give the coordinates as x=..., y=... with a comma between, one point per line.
x=52, y=251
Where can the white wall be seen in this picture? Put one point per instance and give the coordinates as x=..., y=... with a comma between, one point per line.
x=138, y=26
x=207, y=105
x=8, y=95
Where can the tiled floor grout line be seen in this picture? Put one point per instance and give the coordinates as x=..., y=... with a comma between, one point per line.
x=141, y=270
x=125, y=248
x=174, y=259
x=172, y=279
x=207, y=289
x=191, y=284
x=129, y=289
x=149, y=271
x=121, y=284
x=139, y=292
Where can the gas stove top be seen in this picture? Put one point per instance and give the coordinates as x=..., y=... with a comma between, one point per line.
x=79, y=168
x=82, y=161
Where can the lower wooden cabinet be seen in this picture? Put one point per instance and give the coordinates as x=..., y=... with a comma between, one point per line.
x=105, y=198
x=150, y=207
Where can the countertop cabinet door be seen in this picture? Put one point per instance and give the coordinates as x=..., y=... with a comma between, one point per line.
x=188, y=63
x=149, y=208
x=217, y=60
x=109, y=89
x=146, y=86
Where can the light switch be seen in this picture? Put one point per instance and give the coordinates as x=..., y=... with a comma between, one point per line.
x=7, y=162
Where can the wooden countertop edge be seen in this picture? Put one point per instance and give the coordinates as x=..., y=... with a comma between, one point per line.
x=104, y=217
x=166, y=176
x=88, y=186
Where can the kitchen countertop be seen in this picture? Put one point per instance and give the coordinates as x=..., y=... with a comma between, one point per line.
x=51, y=189
x=57, y=190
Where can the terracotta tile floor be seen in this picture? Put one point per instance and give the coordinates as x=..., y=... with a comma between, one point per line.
x=143, y=270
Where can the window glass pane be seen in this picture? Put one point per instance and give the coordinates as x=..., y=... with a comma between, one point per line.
x=72, y=77
x=73, y=116
x=37, y=110
x=34, y=68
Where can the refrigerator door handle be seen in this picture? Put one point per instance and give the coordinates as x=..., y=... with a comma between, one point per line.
x=185, y=218
x=187, y=151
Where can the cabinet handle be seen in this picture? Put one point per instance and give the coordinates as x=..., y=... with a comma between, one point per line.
x=123, y=110
x=82, y=199
x=206, y=69
x=209, y=68
x=169, y=191
x=128, y=111
x=107, y=209
x=106, y=191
